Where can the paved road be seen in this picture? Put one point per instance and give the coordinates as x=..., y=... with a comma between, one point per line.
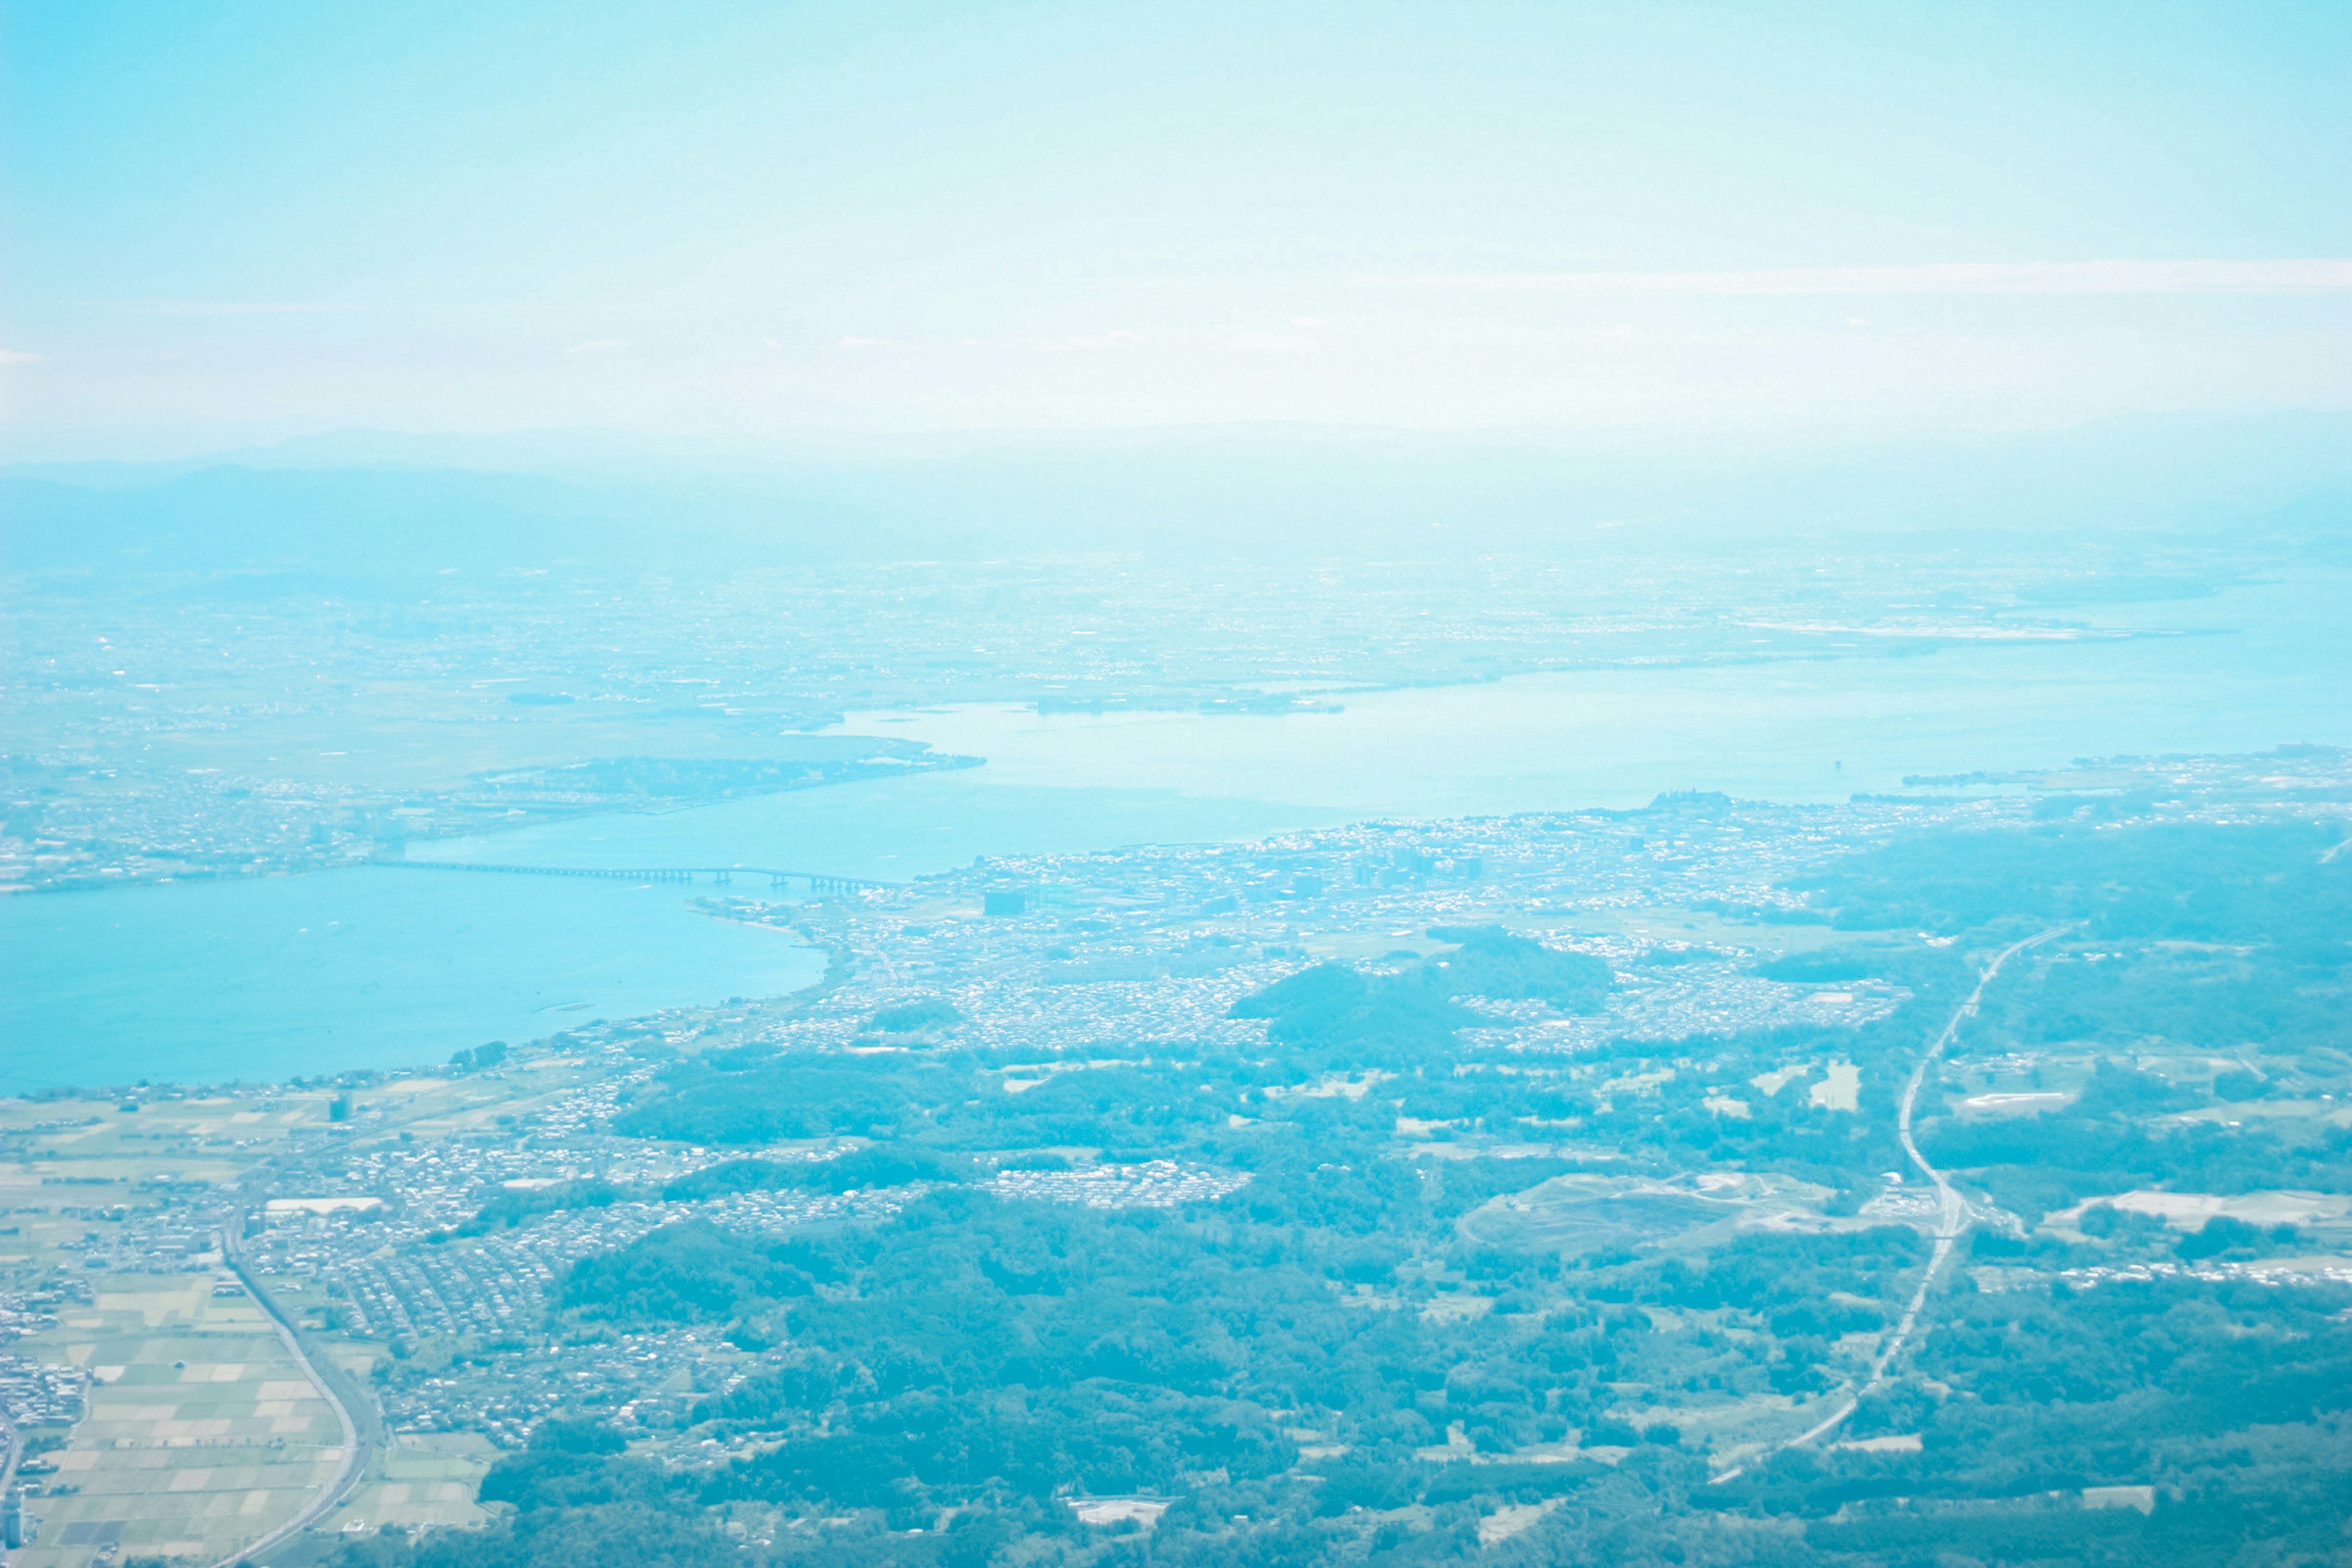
x=362, y=1431
x=1952, y=1218
x=12, y=1444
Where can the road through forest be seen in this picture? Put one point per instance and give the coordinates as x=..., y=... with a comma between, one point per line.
x=1952, y=1218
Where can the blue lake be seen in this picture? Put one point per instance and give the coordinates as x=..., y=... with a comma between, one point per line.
x=373, y=966
x=281, y=977
x=382, y=967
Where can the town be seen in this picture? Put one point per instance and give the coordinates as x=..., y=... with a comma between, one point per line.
x=424, y=1229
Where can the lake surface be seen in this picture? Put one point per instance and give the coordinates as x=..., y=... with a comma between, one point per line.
x=286, y=976
x=2244, y=671
x=378, y=967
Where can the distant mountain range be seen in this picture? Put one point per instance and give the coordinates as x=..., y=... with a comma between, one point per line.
x=376, y=502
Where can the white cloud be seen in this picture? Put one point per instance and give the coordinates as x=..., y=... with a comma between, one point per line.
x=1272, y=343
x=18, y=356
x=236, y=308
x=854, y=342
x=1119, y=338
x=2314, y=275
x=1311, y=323
x=590, y=348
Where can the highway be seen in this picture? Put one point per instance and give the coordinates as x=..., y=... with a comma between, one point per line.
x=1952, y=1218
x=361, y=1429
x=14, y=1451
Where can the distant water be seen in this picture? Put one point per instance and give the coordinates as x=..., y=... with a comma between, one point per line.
x=285, y=977
x=258, y=979
x=2245, y=670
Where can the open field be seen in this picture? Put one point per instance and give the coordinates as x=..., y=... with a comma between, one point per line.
x=2325, y=1216
x=202, y=1435
x=420, y=1478
x=1578, y=1214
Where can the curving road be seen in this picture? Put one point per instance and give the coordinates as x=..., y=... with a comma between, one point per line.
x=12, y=1452
x=361, y=1430
x=1952, y=1219
x=359, y=1422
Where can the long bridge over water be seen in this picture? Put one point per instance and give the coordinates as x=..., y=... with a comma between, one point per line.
x=818, y=883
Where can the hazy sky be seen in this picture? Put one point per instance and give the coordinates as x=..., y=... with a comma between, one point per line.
x=234, y=221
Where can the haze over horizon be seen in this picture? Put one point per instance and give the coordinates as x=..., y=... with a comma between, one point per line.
x=747, y=224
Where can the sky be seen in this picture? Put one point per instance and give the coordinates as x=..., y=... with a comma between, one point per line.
x=235, y=223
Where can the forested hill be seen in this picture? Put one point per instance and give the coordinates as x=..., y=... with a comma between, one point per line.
x=1420, y=1293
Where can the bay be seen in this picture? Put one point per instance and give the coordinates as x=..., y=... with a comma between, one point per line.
x=276, y=977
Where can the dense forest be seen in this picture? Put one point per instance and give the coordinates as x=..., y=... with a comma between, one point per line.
x=1384, y=1342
